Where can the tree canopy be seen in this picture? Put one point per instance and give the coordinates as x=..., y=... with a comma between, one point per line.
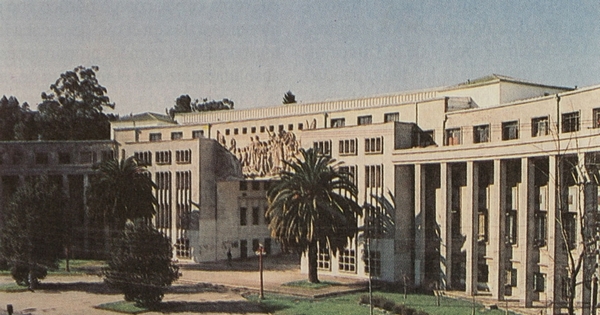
x=184, y=104
x=16, y=121
x=74, y=107
x=313, y=205
x=289, y=98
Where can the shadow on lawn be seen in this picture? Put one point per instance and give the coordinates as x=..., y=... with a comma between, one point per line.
x=227, y=307
x=102, y=288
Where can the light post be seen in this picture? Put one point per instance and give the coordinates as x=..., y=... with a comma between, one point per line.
x=260, y=252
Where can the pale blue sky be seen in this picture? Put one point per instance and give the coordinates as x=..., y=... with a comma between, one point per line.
x=150, y=52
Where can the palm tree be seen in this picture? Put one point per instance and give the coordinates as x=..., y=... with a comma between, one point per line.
x=311, y=205
x=121, y=190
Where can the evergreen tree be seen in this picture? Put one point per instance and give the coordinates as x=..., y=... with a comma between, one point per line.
x=289, y=98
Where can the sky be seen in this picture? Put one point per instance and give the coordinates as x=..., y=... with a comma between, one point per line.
x=251, y=51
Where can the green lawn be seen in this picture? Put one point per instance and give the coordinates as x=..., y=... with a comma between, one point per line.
x=77, y=267
x=122, y=307
x=349, y=304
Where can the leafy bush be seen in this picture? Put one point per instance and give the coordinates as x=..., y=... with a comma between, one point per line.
x=140, y=265
x=20, y=273
x=390, y=306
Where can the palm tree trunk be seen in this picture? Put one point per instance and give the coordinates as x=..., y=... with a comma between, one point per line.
x=312, y=263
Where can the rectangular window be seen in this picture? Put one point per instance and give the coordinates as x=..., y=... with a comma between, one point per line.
x=596, y=117
x=262, y=128
x=176, y=135
x=391, y=117
x=253, y=130
x=539, y=281
x=271, y=128
x=255, y=185
x=539, y=126
x=300, y=126
x=373, y=176
x=483, y=272
x=365, y=120
x=482, y=229
x=163, y=157
x=243, y=248
x=453, y=136
x=427, y=138
x=235, y=131
x=511, y=227
x=290, y=127
x=481, y=134
x=64, y=158
x=196, y=134
x=510, y=130
x=41, y=158
x=347, y=147
x=349, y=172
x=373, y=263
x=143, y=158
x=374, y=145
x=255, y=244
x=540, y=228
x=107, y=155
x=155, y=136
x=324, y=259
x=347, y=260
x=570, y=122
x=243, y=216
x=323, y=147
x=86, y=157
x=243, y=185
x=569, y=223
x=280, y=128
x=227, y=132
x=255, y=216
x=183, y=156
x=338, y=122
x=511, y=277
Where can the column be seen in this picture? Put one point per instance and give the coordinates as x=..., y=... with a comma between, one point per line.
x=496, y=231
x=420, y=176
x=86, y=215
x=525, y=232
x=444, y=221
x=553, y=276
x=587, y=201
x=471, y=216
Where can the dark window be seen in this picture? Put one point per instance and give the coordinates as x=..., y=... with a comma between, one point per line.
x=570, y=122
x=235, y=131
x=64, y=158
x=243, y=216
x=481, y=134
x=511, y=227
x=267, y=246
x=365, y=120
x=271, y=128
x=262, y=128
x=300, y=126
x=41, y=158
x=511, y=277
x=347, y=260
x=227, y=132
x=255, y=216
x=280, y=128
x=197, y=134
x=176, y=135
x=427, y=138
x=539, y=282
x=162, y=157
x=253, y=130
x=324, y=259
x=510, y=130
x=155, y=136
x=243, y=249
x=373, y=263
x=596, y=117
x=539, y=126
x=338, y=122
x=243, y=185
x=244, y=130
x=391, y=117
x=453, y=136
x=569, y=223
x=482, y=272
x=482, y=229
x=540, y=228
x=290, y=127
x=374, y=145
x=255, y=244
x=255, y=185
x=323, y=147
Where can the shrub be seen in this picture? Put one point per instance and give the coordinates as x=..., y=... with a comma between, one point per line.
x=140, y=265
x=399, y=309
x=20, y=273
x=388, y=305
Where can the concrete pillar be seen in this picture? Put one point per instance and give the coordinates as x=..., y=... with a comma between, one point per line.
x=497, y=221
x=404, y=218
x=525, y=233
x=419, y=266
x=470, y=219
x=588, y=201
x=444, y=221
x=553, y=276
x=86, y=214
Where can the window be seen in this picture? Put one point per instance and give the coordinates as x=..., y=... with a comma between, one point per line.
x=347, y=147
x=596, y=117
x=280, y=128
x=243, y=185
x=41, y=158
x=290, y=127
x=570, y=122
x=374, y=223
x=271, y=128
x=481, y=134
x=539, y=126
x=176, y=135
x=453, y=136
x=373, y=176
x=163, y=157
x=86, y=157
x=483, y=271
x=196, y=134
x=255, y=185
x=373, y=263
x=510, y=130
x=323, y=147
x=227, y=132
x=482, y=228
x=235, y=131
x=511, y=227
x=300, y=126
x=183, y=156
x=267, y=246
x=163, y=217
x=539, y=239
x=349, y=172
x=427, y=138
x=255, y=216
x=324, y=259
x=64, y=158
x=143, y=158
x=391, y=117
x=243, y=216
x=347, y=260
x=539, y=281
x=365, y=120
x=243, y=248
x=262, y=128
x=155, y=136
x=511, y=277
x=255, y=244
x=107, y=155
x=338, y=122
x=374, y=145
x=253, y=130
x=570, y=227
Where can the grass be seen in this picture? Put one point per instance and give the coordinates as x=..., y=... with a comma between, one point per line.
x=77, y=267
x=309, y=285
x=12, y=287
x=349, y=304
x=122, y=307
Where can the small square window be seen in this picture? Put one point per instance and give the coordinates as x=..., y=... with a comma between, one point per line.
x=64, y=158
x=262, y=128
x=227, y=132
x=280, y=128
x=243, y=185
x=155, y=136
x=481, y=134
x=453, y=136
x=235, y=131
x=510, y=130
x=271, y=128
x=244, y=130
x=290, y=127
x=539, y=126
x=391, y=117
x=365, y=120
x=41, y=158
x=255, y=185
x=300, y=126
x=253, y=130
x=338, y=122
x=570, y=122
x=196, y=134
x=176, y=135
